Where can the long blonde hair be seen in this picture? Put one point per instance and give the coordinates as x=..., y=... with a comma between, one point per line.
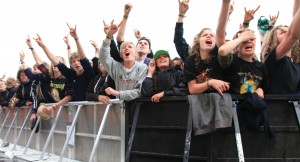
x=271, y=42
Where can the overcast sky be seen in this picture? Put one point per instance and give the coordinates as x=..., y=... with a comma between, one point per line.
x=154, y=18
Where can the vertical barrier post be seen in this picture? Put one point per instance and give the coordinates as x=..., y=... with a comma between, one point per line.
x=51, y=133
x=31, y=135
x=71, y=130
x=8, y=131
x=99, y=134
x=297, y=111
x=188, y=137
x=6, y=117
x=22, y=128
x=238, y=138
x=132, y=132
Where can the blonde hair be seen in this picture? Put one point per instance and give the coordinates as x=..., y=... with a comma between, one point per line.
x=10, y=82
x=124, y=44
x=51, y=72
x=269, y=43
x=73, y=56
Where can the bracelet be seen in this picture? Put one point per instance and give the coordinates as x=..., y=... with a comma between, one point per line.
x=96, y=50
x=125, y=17
x=270, y=27
x=109, y=36
x=68, y=47
x=54, y=106
x=246, y=24
x=182, y=15
x=31, y=48
x=207, y=83
x=22, y=62
x=76, y=38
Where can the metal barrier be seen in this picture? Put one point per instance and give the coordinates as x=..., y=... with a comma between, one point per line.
x=69, y=136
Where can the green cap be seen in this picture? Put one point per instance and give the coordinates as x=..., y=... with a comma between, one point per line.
x=161, y=52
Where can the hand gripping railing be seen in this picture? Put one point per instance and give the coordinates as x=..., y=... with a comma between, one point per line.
x=99, y=134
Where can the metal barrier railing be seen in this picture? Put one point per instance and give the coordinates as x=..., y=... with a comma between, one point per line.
x=79, y=105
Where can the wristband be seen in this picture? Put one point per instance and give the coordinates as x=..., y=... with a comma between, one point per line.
x=270, y=27
x=109, y=36
x=68, y=47
x=182, y=15
x=125, y=17
x=31, y=48
x=246, y=24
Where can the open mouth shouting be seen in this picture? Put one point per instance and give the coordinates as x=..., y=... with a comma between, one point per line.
x=127, y=54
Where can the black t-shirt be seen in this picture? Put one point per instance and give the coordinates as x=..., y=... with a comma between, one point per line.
x=284, y=75
x=245, y=77
x=204, y=70
x=58, y=88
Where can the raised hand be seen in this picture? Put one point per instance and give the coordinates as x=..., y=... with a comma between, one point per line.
x=127, y=9
x=183, y=6
x=39, y=41
x=151, y=68
x=94, y=44
x=28, y=42
x=113, y=28
x=22, y=56
x=273, y=19
x=66, y=39
x=73, y=31
x=106, y=27
x=249, y=14
x=137, y=34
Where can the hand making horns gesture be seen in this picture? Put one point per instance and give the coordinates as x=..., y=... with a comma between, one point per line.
x=183, y=6
x=249, y=14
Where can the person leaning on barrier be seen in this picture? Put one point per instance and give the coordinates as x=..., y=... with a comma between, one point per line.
x=4, y=100
x=11, y=87
x=97, y=86
x=281, y=55
x=163, y=79
x=201, y=68
x=129, y=74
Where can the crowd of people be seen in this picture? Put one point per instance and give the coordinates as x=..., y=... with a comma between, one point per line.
x=124, y=70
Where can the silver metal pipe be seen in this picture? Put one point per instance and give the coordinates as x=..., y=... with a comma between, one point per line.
x=100, y=131
x=72, y=128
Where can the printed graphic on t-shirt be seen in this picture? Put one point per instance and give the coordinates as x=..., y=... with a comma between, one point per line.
x=55, y=94
x=203, y=76
x=127, y=81
x=249, y=82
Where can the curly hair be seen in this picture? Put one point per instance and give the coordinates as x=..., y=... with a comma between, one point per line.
x=195, y=49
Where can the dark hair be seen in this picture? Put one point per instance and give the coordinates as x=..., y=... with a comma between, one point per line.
x=146, y=39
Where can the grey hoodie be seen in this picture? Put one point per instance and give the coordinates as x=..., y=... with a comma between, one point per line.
x=128, y=82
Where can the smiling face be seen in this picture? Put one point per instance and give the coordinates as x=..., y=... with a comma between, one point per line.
x=128, y=52
x=162, y=62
